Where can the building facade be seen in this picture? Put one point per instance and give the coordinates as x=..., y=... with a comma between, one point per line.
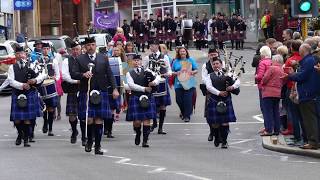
x=6, y=20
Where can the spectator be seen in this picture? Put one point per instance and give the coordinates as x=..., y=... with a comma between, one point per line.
x=270, y=41
x=307, y=86
x=287, y=34
x=119, y=36
x=264, y=23
x=296, y=35
x=271, y=92
x=283, y=51
x=275, y=47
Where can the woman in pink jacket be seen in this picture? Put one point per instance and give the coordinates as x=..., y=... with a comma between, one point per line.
x=271, y=85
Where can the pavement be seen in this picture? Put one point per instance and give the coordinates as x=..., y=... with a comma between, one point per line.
x=184, y=153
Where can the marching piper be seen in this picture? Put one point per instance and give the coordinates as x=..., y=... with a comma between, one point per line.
x=160, y=64
x=233, y=34
x=37, y=52
x=24, y=103
x=159, y=25
x=221, y=30
x=198, y=32
x=151, y=29
x=241, y=28
x=142, y=107
x=71, y=86
x=219, y=108
x=170, y=27
x=95, y=75
x=51, y=68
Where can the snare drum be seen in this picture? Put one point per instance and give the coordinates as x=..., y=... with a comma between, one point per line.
x=161, y=89
x=116, y=68
x=48, y=89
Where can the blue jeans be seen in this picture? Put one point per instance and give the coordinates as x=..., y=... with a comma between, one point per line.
x=294, y=115
x=271, y=114
x=184, y=101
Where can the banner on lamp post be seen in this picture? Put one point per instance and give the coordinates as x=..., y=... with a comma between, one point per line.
x=106, y=21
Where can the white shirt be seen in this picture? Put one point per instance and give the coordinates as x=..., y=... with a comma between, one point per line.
x=145, y=62
x=93, y=56
x=66, y=73
x=215, y=91
x=18, y=85
x=136, y=87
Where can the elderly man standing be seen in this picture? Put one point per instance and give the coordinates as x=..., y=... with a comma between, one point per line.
x=306, y=79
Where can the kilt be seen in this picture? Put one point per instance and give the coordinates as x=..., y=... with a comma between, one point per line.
x=223, y=36
x=213, y=116
x=171, y=36
x=141, y=39
x=72, y=104
x=161, y=36
x=114, y=103
x=164, y=100
x=135, y=112
x=234, y=35
x=28, y=113
x=215, y=36
x=51, y=102
x=39, y=105
x=241, y=35
x=199, y=36
x=102, y=111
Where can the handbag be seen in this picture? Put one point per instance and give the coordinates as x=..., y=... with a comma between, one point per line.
x=221, y=107
x=22, y=101
x=95, y=97
x=144, y=101
x=293, y=96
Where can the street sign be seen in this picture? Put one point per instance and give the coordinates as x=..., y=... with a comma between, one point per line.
x=23, y=4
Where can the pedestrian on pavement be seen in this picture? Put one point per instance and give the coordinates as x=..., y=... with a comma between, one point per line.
x=71, y=87
x=184, y=69
x=271, y=86
x=100, y=78
x=219, y=108
x=265, y=62
x=308, y=87
x=141, y=107
x=24, y=108
x=264, y=23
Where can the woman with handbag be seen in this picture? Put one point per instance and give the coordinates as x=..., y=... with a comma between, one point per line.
x=184, y=69
x=142, y=106
x=219, y=108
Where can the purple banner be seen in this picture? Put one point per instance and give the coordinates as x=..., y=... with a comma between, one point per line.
x=104, y=21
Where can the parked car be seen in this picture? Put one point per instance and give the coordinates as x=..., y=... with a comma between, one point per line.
x=7, y=57
x=102, y=40
x=59, y=42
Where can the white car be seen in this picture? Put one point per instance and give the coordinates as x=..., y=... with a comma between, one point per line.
x=102, y=40
x=7, y=57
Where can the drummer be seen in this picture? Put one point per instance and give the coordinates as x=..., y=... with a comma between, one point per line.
x=22, y=113
x=160, y=64
x=51, y=69
x=186, y=66
x=142, y=106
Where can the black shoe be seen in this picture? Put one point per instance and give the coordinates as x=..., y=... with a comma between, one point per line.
x=31, y=140
x=18, y=140
x=210, y=137
x=88, y=147
x=26, y=145
x=109, y=135
x=73, y=138
x=224, y=145
x=216, y=142
x=137, y=139
x=160, y=131
x=50, y=133
x=97, y=151
x=145, y=145
x=44, y=129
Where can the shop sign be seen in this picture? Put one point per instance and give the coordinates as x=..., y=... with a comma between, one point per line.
x=23, y=5
x=6, y=6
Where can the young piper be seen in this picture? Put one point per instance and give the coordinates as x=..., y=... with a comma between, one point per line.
x=24, y=108
x=219, y=111
x=142, y=107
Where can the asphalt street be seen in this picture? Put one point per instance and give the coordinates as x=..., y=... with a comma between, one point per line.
x=184, y=153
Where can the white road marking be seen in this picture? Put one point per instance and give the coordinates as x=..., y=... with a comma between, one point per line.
x=193, y=176
x=258, y=118
x=6, y=135
x=241, y=141
x=246, y=151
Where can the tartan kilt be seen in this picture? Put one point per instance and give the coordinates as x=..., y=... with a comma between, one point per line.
x=39, y=105
x=223, y=36
x=135, y=112
x=51, y=102
x=161, y=36
x=199, y=36
x=164, y=100
x=115, y=103
x=72, y=104
x=241, y=36
x=28, y=113
x=141, y=40
x=215, y=36
x=171, y=36
x=102, y=111
x=234, y=35
x=213, y=116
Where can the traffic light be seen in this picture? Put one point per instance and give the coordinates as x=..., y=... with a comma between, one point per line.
x=304, y=8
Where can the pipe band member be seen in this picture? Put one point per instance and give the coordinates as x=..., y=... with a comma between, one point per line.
x=24, y=102
x=72, y=88
x=141, y=107
x=101, y=77
x=219, y=109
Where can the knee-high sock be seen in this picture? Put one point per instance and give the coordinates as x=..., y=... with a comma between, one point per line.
x=137, y=130
x=155, y=123
x=161, y=118
x=31, y=128
x=73, y=125
x=89, y=133
x=19, y=128
x=146, y=132
x=83, y=129
x=224, y=133
x=26, y=132
x=98, y=134
x=50, y=120
x=45, y=118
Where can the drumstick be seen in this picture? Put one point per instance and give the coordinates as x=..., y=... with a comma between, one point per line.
x=90, y=65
